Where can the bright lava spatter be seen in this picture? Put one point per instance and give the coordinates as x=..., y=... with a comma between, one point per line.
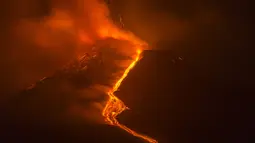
x=115, y=106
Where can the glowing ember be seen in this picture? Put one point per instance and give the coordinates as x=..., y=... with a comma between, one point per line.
x=115, y=106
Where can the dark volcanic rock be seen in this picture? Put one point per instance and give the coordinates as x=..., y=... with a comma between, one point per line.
x=187, y=99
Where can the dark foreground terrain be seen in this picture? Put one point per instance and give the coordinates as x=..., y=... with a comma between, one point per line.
x=193, y=98
x=173, y=98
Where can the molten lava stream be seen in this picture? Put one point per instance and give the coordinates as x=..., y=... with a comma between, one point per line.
x=115, y=106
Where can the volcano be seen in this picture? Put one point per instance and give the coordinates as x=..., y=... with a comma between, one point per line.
x=170, y=98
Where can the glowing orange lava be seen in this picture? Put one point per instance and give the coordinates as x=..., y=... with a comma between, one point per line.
x=115, y=106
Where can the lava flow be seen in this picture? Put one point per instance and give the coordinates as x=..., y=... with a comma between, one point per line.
x=115, y=106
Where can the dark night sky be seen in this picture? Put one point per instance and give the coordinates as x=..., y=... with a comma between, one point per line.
x=213, y=36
